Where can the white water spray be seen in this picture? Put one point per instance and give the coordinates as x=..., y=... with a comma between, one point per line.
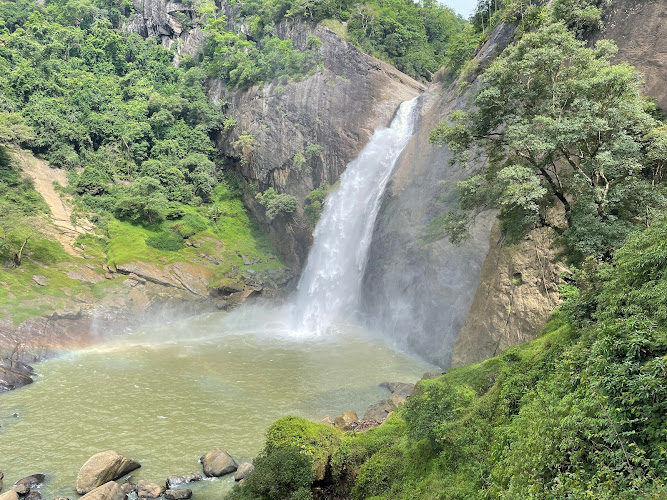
x=329, y=288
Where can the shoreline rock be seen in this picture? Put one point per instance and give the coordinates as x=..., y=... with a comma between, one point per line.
x=102, y=468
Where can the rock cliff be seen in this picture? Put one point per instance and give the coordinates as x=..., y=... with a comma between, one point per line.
x=171, y=22
x=305, y=132
x=419, y=291
x=639, y=28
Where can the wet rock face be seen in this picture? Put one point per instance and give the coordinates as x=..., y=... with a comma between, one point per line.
x=418, y=291
x=307, y=131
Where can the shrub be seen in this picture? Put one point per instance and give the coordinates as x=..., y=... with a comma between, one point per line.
x=276, y=204
x=166, y=240
x=279, y=474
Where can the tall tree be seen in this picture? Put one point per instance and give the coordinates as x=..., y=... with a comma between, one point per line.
x=566, y=134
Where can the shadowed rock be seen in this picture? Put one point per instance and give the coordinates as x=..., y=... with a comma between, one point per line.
x=102, y=468
x=33, y=481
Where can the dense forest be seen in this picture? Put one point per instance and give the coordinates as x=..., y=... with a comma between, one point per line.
x=571, y=145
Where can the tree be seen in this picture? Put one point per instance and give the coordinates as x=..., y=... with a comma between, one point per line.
x=566, y=134
x=13, y=129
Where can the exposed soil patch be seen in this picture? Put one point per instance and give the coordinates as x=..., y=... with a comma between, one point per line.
x=44, y=177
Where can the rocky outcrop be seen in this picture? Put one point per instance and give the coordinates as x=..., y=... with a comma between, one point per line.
x=102, y=468
x=305, y=132
x=418, y=289
x=14, y=374
x=639, y=28
x=171, y=22
x=518, y=291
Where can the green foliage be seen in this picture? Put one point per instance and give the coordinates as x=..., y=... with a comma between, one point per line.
x=282, y=474
x=314, y=205
x=316, y=441
x=277, y=204
x=166, y=240
x=567, y=136
x=241, y=62
x=580, y=412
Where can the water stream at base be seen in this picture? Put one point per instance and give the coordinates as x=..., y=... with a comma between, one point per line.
x=167, y=394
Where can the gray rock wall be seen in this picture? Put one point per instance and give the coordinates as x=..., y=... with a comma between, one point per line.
x=336, y=109
x=418, y=292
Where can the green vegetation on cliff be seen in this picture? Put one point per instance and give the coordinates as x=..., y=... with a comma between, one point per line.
x=578, y=413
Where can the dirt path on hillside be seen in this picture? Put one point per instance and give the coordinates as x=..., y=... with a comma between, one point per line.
x=44, y=176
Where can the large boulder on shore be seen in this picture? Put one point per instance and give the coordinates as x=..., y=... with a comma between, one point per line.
x=102, y=468
x=217, y=463
x=108, y=491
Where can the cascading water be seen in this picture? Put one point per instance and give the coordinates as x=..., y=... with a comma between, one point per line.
x=330, y=284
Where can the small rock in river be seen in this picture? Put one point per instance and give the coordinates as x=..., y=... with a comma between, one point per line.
x=217, y=463
x=146, y=489
x=33, y=481
x=33, y=495
x=187, y=478
x=21, y=489
x=183, y=494
x=244, y=469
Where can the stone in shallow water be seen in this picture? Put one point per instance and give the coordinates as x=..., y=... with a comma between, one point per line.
x=147, y=489
x=187, y=478
x=101, y=468
x=217, y=463
x=32, y=481
x=21, y=489
x=33, y=495
x=244, y=469
x=183, y=494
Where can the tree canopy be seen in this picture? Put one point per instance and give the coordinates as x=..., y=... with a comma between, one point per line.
x=571, y=145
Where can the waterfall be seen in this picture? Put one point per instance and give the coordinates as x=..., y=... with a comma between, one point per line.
x=329, y=288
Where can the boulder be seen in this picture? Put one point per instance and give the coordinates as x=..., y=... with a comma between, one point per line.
x=187, y=478
x=33, y=481
x=344, y=421
x=183, y=494
x=102, y=468
x=217, y=463
x=401, y=388
x=377, y=411
x=33, y=495
x=327, y=420
x=147, y=489
x=9, y=495
x=244, y=469
x=108, y=491
x=21, y=489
